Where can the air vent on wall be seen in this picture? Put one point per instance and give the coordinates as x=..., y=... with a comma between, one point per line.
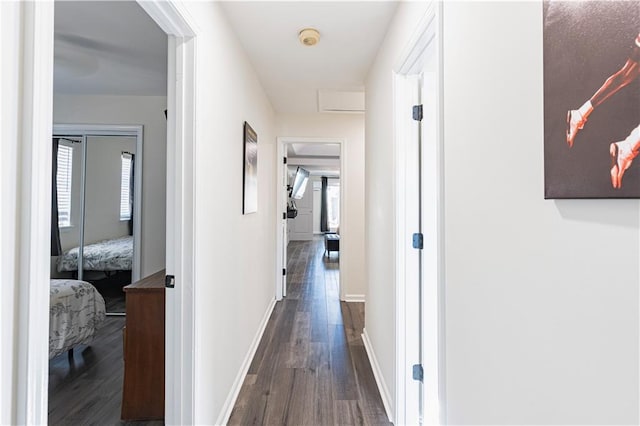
x=340, y=101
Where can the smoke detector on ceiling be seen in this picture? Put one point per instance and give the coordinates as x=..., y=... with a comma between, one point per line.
x=309, y=36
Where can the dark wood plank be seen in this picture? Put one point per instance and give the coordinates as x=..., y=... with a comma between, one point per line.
x=353, y=318
x=319, y=362
x=370, y=400
x=342, y=372
x=297, y=349
x=303, y=398
x=349, y=413
x=279, y=397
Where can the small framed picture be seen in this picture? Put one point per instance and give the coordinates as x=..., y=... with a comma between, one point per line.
x=250, y=179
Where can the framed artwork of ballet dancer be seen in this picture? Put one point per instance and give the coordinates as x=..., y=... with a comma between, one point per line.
x=591, y=99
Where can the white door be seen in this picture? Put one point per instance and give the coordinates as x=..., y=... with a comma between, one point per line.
x=302, y=225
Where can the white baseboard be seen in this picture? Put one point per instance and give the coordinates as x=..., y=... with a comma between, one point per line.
x=244, y=368
x=353, y=298
x=382, y=386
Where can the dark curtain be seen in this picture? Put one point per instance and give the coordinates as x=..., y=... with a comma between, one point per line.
x=56, y=247
x=324, y=217
x=131, y=195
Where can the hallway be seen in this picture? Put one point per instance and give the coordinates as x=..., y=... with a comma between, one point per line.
x=311, y=366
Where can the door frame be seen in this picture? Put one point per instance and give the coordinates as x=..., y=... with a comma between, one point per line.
x=136, y=131
x=423, y=53
x=282, y=141
x=33, y=270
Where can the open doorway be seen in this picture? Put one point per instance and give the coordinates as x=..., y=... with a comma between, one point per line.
x=110, y=98
x=311, y=199
x=33, y=274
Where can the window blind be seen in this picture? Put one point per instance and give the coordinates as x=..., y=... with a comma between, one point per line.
x=125, y=176
x=63, y=177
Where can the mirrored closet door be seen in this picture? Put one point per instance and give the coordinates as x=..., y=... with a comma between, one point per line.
x=98, y=185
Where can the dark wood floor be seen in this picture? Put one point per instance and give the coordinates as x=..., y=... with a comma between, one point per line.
x=110, y=288
x=311, y=367
x=88, y=391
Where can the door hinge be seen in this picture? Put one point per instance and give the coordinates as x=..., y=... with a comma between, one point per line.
x=418, y=241
x=284, y=215
x=284, y=271
x=417, y=112
x=169, y=281
x=284, y=160
x=418, y=372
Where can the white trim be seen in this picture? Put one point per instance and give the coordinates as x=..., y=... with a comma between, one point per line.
x=280, y=202
x=171, y=16
x=227, y=408
x=421, y=44
x=377, y=374
x=35, y=198
x=136, y=131
x=181, y=338
x=424, y=49
x=354, y=298
x=405, y=90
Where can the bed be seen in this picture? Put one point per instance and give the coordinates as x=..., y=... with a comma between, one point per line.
x=76, y=312
x=106, y=256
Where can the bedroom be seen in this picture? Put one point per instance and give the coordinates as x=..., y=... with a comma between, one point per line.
x=109, y=104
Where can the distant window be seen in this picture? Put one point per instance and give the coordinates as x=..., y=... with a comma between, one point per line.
x=125, y=185
x=63, y=181
x=333, y=205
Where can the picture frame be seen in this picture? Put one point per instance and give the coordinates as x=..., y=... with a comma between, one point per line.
x=250, y=170
x=591, y=99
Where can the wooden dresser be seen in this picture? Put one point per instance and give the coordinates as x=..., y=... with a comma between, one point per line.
x=143, y=388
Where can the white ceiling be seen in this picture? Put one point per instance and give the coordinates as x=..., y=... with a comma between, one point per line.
x=114, y=47
x=313, y=150
x=317, y=170
x=291, y=74
x=320, y=159
x=108, y=47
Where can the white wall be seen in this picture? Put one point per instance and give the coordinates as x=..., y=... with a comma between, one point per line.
x=541, y=295
x=379, y=192
x=351, y=128
x=148, y=111
x=234, y=253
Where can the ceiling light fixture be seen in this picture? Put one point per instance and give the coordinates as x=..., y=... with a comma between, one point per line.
x=309, y=36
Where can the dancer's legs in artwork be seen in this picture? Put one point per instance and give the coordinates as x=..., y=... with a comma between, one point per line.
x=622, y=155
x=576, y=118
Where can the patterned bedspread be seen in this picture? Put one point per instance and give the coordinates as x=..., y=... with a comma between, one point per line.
x=107, y=255
x=76, y=312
